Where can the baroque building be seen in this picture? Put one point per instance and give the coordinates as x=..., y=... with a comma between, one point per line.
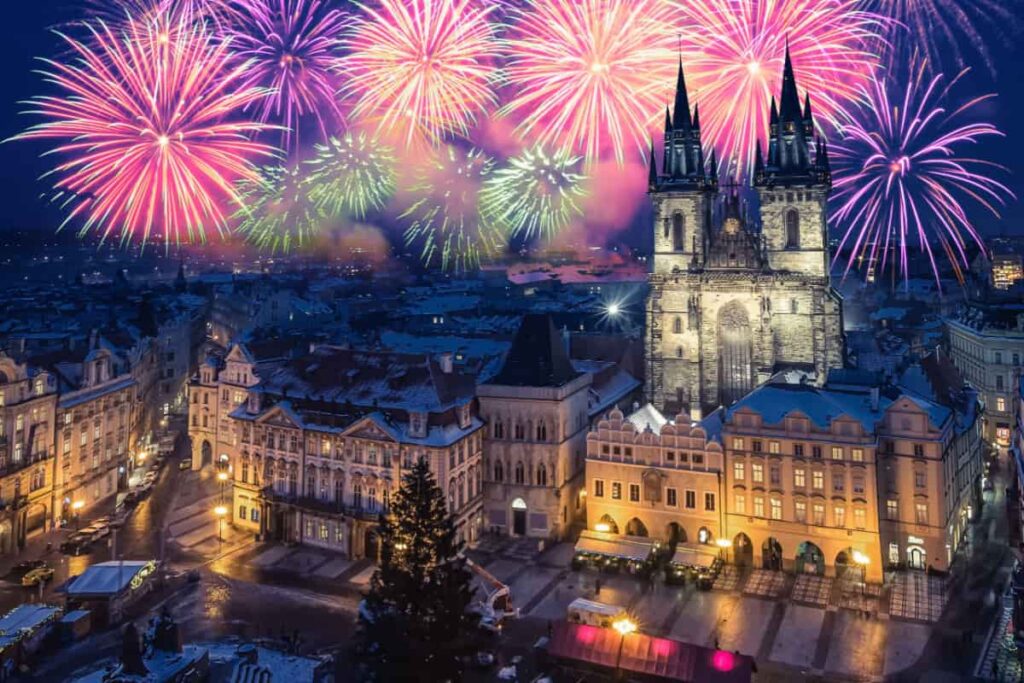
x=730, y=305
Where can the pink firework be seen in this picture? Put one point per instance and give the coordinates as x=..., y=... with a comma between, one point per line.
x=290, y=46
x=150, y=128
x=420, y=69
x=733, y=53
x=900, y=174
x=590, y=75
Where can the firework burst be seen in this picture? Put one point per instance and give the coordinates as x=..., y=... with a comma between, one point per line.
x=352, y=175
x=445, y=221
x=901, y=174
x=150, y=129
x=733, y=53
x=279, y=213
x=590, y=75
x=420, y=67
x=291, y=48
x=536, y=194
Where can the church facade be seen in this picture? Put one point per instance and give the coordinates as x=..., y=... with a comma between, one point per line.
x=730, y=305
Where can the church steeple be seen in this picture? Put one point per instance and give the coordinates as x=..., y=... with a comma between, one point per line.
x=652, y=173
x=683, y=165
x=681, y=112
x=789, y=100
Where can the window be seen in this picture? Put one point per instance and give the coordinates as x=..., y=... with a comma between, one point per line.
x=698, y=458
x=858, y=484
x=756, y=445
x=999, y=382
x=774, y=475
x=818, y=480
x=670, y=498
x=815, y=451
x=691, y=500
x=677, y=325
x=798, y=450
x=859, y=518
x=792, y=229
x=709, y=502
x=758, y=506
x=739, y=471
x=837, y=453
x=921, y=513
x=737, y=443
x=918, y=450
x=542, y=432
x=999, y=357
x=670, y=456
x=254, y=515
x=245, y=475
x=920, y=479
x=799, y=478
x=838, y=482
x=818, y=514
x=776, y=508
x=857, y=455
x=616, y=490
x=520, y=473
x=1001, y=404
x=892, y=509
x=678, y=232
x=520, y=432
x=499, y=471
x=794, y=306
x=839, y=516
x=757, y=473
x=800, y=511
x=634, y=493
x=773, y=447
x=242, y=512
x=741, y=504
x=599, y=488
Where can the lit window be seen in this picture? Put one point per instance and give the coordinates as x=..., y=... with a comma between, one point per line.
x=839, y=514
x=837, y=453
x=859, y=518
x=818, y=515
x=773, y=447
x=800, y=511
x=776, y=508
x=758, y=506
x=599, y=488
x=892, y=509
x=1001, y=404
x=741, y=504
x=634, y=493
x=818, y=480
x=799, y=478
x=737, y=443
x=739, y=471
x=616, y=490
x=857, y=455
x=921, y=513
x=757, y=473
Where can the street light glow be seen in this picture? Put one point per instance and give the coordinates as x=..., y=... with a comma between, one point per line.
x=603, y=527
x=860, y=558
x=723, y=543
x=624, y=626
x=77, y=505
x=220, y=511
x=223, y=476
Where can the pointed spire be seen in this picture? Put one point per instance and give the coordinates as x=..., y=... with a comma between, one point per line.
x=696, y=117
x=825, y=164
x=652, y=174
x=758, y=159
x=789, y=100
x=774, y=118
x=714, y=165
x=668, y=122
x=807, y=107
x=681, y=112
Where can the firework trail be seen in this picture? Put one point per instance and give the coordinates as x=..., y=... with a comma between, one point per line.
x=279, y=214
x=352, y=175
x=590, y=75
x=420, y=68
x=445, y=221
x=291, y=47
x=733, y=53
x=150, y=131
x=901, y=173
x=535, y=195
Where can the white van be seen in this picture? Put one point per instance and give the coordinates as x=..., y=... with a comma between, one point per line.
x=583, y=611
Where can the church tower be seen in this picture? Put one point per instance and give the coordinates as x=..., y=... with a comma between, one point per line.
x=728, y=305
x=793, y=185
x=683, y=192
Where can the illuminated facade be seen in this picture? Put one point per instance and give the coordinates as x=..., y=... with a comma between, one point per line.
x=729, y=305
x=1006, y=270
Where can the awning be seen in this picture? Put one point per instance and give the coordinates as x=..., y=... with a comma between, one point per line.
x=691, y=556
x=613, y=545
x=656, y=657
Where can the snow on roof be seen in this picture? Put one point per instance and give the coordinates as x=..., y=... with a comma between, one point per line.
x=26, y=617
x=648, y=416
x=774, y=401
x=108, y=578
x=271, y=663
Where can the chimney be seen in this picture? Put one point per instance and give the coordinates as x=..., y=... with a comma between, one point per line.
x=446, y=361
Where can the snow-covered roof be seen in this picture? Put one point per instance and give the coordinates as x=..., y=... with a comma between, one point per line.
x=108, y=578
x=648, y=416
x=26, y=617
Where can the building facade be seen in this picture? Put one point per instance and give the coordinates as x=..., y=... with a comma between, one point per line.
x=729, y=306
x=28, y=410
x=650, y=476
x=987, y=347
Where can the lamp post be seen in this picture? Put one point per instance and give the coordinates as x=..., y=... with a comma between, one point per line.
x=862, y=561
x=222, y=477
x=76, y=507
x=220, y=511
x=724, y=544
x=624, y=626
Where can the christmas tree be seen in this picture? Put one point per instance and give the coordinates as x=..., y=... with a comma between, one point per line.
x=413, y=623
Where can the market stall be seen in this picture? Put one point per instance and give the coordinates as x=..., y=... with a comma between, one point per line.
x=613, y=552
x=696, y=563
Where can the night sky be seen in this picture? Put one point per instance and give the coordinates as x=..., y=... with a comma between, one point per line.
x=24, y=36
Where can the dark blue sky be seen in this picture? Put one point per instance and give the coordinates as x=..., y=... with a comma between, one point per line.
x=24, y=35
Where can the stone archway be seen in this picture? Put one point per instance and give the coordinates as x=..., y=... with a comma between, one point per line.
x=207, y=454
x=810, y=559
x=635, y=527
x=608, y=520
x=675, y=533
x=742, y=550
x=771, y=554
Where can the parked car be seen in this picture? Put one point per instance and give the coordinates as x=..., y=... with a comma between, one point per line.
x=185, y=464
x=37, y=575
x=22, y=568
x=76, y=544
x=96, y=531
x=151, y=476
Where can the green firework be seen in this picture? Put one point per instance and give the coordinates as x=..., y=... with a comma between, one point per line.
x=352, y=175
x=534, y=194
x=445, y=222
x=278, y=212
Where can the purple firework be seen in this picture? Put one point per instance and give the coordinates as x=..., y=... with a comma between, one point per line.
x=901, y=173
x=291, y=46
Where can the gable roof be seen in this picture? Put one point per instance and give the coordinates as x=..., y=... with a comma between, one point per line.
x=537, y=357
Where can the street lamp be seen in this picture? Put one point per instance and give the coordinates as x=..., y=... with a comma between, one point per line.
x=625, y=626
x=862, y=561
x=724, y=544
x=220, y=511
x=603, y=527
x=77, y=508
x=222, y=477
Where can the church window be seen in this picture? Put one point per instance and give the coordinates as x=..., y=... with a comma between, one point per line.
x=677, y=325
x=520, y=473
x=678, y=237
x=542, y=475
x=792, y=229
x=542, y=432
x=499, y=471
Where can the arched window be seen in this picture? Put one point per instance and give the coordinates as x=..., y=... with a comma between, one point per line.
x=339, y=489
x=357, y=496
x=451, y=495
x=499, y=430
x=792, y=229
x=520, y=472
x=542, y=475
x=499, y=471
x=677, y=325
x=679, y=352
x=678, y=236
x=542, y=432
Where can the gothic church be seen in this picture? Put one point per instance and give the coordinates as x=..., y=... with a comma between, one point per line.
x=729, y=305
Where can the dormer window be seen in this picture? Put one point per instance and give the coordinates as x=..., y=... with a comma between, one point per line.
x=40, y=386
x=418, y=424
x=465, y=418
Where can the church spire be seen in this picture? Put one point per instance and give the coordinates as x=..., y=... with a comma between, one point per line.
x=714, y=166
x=652, y=173
x=668, y=122
x=696, y=116
x=681, y=112
x=774, y=116
x=789, y=101
x=758, y=159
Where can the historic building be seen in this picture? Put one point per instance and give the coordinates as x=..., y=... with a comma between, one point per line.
x=316, y=444
x=729, y=305
x=28, y=409
x=538, y=409
x=651, y=476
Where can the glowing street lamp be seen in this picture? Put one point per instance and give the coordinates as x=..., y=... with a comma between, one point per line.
x=220, y=511
x=625, y=626
x=724, y=544
x=862, y=561
x=603, y=527
x=77, y=508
